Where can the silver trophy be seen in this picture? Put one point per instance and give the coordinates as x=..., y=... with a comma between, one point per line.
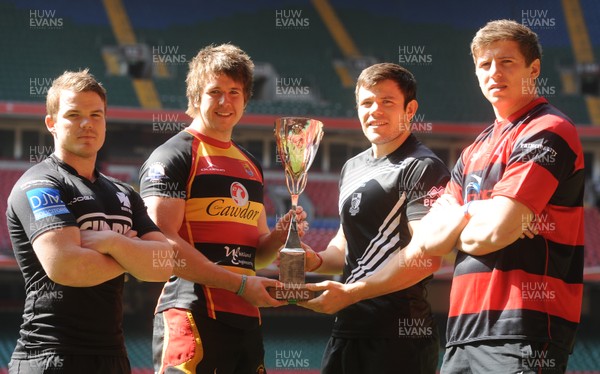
x=297, y=140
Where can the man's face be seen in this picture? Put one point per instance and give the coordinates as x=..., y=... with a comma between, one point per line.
x=221, y=106
x=381, y=112
x=504, y=78
x=80, y=125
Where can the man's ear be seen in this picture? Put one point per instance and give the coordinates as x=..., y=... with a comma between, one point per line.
x=411, y=109
x=50, y=122
x=535, y=68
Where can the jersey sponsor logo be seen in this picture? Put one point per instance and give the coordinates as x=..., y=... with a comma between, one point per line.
x=156, y=172
x=46, y=202
x=239, y=194
x=239, y=257
x=210, y=166
x=124, y=200
x=78, y=199
x=473, y=190
x=222, y=208
x=355, y=203
x=104, y=222
x=433, y=194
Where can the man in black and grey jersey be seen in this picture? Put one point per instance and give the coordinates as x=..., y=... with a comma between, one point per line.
x=75, y=232
x=384, y=192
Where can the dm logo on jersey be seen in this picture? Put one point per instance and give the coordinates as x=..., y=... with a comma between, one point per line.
x=354, y=203
x=46, y=202
x=239, y=194
x=156, y=172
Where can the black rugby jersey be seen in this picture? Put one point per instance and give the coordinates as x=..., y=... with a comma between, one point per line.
x=378, y=197
x=57, y=318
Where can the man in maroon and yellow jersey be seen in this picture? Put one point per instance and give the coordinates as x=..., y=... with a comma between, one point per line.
x=514, y=209
x=206, y=194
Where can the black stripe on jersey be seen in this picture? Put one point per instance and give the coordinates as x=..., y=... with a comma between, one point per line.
x=542, y=148
x=508, y=324
x=529, y=257
x=211, y=185
x=569, y=193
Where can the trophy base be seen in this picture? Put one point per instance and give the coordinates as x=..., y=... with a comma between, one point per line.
x=292, y=293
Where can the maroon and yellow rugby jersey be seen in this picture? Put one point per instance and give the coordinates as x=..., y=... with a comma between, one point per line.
x=532, y=289
x=222, y=185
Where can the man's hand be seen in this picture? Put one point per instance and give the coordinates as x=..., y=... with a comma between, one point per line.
x=313, y=259
x=336, y=296
x=283, y=224
x=256, y=292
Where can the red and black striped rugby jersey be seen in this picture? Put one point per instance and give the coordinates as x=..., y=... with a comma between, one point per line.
x=531, y=289
x=222, y=185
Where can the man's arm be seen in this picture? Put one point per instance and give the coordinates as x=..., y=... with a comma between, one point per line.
x=66, y=262
x=148, y=258
x=270, y=242
x=332, y=257
x=405, y=269
x=192, y=265
x=495, y=223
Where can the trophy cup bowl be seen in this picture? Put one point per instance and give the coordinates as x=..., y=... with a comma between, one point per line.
x=297, y=141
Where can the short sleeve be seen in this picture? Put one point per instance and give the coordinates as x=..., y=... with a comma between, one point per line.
x=424, y=182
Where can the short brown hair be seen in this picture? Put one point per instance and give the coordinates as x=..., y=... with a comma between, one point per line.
x=379, y=72
x=214, y=60
x=505, y=29
x=76, y=81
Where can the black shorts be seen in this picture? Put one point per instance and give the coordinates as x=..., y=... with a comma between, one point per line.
x=70, y=364
x=199, y=344
x=381, y=356
x=505, y=356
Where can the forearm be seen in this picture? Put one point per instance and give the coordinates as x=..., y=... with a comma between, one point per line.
x=333, y=261
x=191, y=264
x=147, y=260
x=83, y=267
x=269, y=245
x=440, y=231
x=486, y=233
x=405, y=269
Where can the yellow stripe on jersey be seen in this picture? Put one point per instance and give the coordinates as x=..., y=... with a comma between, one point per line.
x=218, y=209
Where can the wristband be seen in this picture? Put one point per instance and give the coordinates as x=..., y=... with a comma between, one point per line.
x=466, y=209
x=240, y=291
x=320, y=262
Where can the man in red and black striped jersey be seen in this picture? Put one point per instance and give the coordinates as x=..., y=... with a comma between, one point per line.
x=514, y=209
x=206, y=194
